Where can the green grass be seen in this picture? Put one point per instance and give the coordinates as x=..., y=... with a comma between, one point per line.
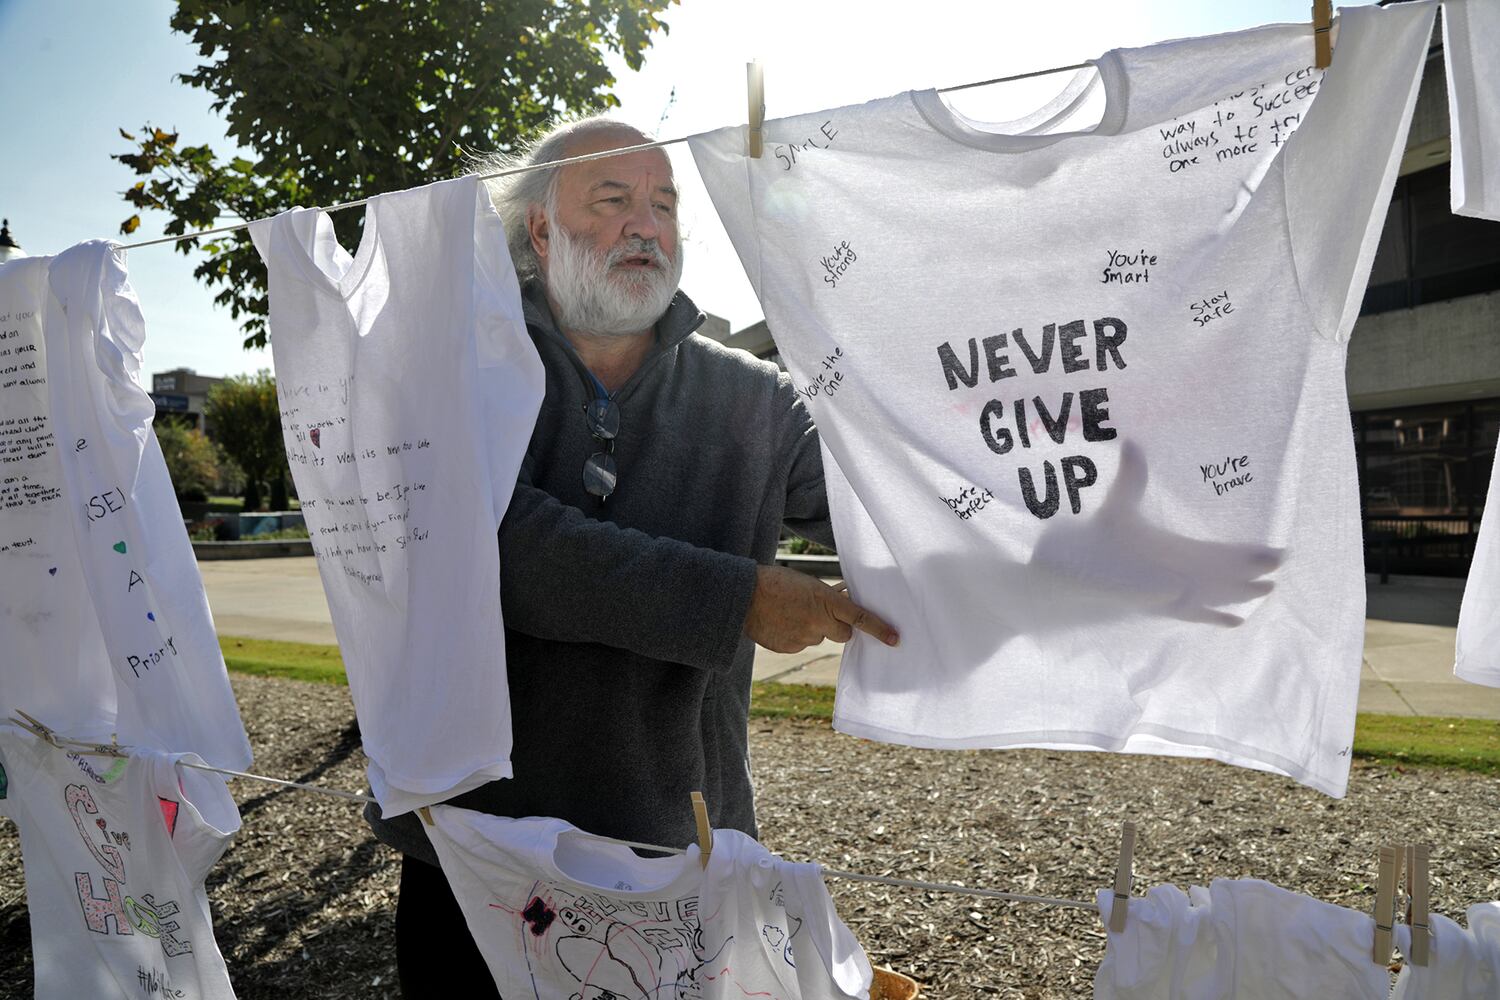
x=299, y=661
x=791, y=701
x=235, y=505
x=1466, y=744
x=1397, y=740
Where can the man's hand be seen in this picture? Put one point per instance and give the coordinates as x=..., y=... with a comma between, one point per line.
x=791, y=611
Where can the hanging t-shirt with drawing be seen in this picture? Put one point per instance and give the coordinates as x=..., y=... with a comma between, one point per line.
x=1081, y=395
x=560, y=915
x=116, y=851
x=408, y=389
x=102, y=611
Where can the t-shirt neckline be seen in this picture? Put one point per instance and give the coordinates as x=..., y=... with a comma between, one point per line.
x=966, y=131
x=358, y=266
x=683, y=872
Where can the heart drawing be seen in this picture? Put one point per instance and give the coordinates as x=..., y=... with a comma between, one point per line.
x=120, y=547
x=317, y=437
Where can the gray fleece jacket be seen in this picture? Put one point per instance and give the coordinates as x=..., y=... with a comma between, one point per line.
x=628, y=667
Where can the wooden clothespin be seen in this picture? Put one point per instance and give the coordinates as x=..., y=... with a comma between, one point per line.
x=426, y=814
x=1385, y=903
x=36, y=728
x=705, y=832
x=1417, y=856
x=1322, y=19
x=755, y=81
x=1124, y=879
x=110, y=749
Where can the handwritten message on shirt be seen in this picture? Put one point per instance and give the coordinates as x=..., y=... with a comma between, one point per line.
x=1003, y=425
x=363, y=501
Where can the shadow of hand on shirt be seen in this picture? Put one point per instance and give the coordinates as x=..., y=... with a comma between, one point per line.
x=1083, y=572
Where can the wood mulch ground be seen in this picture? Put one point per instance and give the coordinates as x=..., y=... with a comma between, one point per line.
x=304, y=899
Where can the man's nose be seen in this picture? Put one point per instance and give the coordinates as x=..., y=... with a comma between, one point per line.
x=642, y=221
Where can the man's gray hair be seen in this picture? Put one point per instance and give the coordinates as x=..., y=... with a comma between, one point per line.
x=513, y=196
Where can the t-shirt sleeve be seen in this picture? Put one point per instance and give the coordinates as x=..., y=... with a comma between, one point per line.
x=1471, y=36
x=199, y=813
x=835, y=952
x=1341, y=165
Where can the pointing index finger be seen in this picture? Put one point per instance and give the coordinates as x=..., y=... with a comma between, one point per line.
x=851, y=614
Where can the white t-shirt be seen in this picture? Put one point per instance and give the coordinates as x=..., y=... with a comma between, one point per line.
x=1167, y=950
x=408, y=388
x=116, y=851
x=102, y=611
x=559, y=915
x=1471, y=34
x=1273, y=944
x=1462, y=964
x=1081, y=395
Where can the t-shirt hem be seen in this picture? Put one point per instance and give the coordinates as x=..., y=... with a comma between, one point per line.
x=1487, y=676
x=398, y=796
x=1173, y=743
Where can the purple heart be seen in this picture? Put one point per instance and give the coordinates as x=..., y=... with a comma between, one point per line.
x=52, y=571
x=150, y=617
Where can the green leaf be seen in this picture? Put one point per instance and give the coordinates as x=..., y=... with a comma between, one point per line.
x=327, y=101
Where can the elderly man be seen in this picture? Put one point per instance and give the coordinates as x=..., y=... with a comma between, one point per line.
x=635, y=556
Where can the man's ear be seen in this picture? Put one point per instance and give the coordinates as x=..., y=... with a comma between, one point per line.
x=537, y=229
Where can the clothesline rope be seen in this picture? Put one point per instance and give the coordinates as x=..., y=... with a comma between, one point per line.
x=962, y=890
x=568, y=160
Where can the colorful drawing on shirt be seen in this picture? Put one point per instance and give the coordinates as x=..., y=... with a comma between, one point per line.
x=1228, y=474
x=119, y=547
x=316, y=437
x=150, y=918
x=151, y=616
x=80, y=801
x=538, y=916
x=116, y=769
x=168, y=814
x=52, y=571
x=620, y=949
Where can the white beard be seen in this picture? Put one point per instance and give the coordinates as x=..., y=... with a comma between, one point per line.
x=592, y=297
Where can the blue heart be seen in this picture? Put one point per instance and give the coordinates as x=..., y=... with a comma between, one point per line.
x=150, y=616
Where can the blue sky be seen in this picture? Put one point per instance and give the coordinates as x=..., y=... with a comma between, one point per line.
x=76, y=71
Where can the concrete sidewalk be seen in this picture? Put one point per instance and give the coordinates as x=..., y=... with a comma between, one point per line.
x=1408, y=658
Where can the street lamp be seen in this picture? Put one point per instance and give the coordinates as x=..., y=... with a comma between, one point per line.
x=9, y=248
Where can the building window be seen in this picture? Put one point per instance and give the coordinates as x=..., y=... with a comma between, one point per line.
x=1428, y=254
x=1424, y=472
